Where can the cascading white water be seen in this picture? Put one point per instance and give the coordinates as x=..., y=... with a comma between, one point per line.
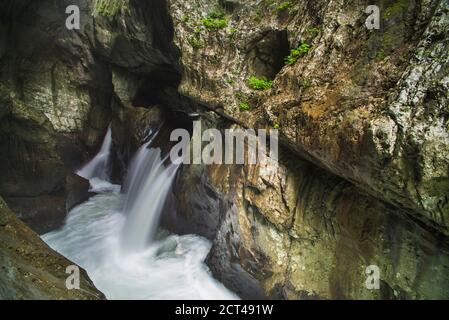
x=99, y=166
x=147, y=186
x=109, y=236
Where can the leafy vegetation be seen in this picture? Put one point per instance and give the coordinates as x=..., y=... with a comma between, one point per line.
x=239, y=95
x=232, y=31
x=306, y=84
x=286, y=5
x=243, y=106
x=276, y=126
x=195, y=42
x=380, y=55
x=296, y=53
x=215, y=20
x=259, y=83
x=108, y=8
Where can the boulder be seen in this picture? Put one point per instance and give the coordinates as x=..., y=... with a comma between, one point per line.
x=32, y=270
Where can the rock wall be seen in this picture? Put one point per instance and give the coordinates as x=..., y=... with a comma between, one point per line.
x=60, y=89
x=363, y=127
x=369, y=106
x=29, y=269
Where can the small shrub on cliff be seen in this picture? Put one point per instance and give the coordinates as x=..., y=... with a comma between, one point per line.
x=296, y=53
x=243, y=106
x=215, y=20
x=195, y=42
x=259, y=83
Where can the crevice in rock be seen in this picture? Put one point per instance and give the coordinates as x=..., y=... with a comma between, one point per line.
x=266, y=55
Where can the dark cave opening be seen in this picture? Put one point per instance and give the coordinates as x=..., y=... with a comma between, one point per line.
x=266, y=56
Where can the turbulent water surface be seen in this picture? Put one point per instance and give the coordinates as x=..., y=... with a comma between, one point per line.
x=171, y=267
x=115, y=236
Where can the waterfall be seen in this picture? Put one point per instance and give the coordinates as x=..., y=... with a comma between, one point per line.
x=111, y=235
x=99, y=166
x=147, y=186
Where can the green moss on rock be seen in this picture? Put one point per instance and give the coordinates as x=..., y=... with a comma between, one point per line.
x=108, y=8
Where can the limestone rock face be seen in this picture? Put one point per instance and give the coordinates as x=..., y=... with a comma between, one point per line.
x=367, y=105
x=362, y=115
x=60, y=89
x=291, y=230
x=30, y=269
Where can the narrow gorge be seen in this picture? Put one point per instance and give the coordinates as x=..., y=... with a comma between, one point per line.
x=361, y=179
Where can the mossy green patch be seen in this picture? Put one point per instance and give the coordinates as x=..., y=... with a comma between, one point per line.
x=243, y=106
x=296, y=53
x=259, y=83
x=195, y=42
x=286, y=5
x=395, y=8
x=215, y=20
x=108, y=8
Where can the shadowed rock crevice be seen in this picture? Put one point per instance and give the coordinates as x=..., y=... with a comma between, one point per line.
x=266, y=55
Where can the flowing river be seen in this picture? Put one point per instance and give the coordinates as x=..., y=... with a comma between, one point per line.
x=115, y=235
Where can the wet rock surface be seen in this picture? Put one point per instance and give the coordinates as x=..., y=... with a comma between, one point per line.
x=29, y=269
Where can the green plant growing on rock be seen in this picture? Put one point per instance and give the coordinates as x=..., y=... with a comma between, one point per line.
x=259, y=83
x=306, y=84
x=108, y=8
x=232, y=31
x=380, y=55
x=296, y=53
x=313, y=30
x=195, y=42
x=238, y=95
x=258, y=16
x=243, y=106
x=215, y=20
x=286, y=5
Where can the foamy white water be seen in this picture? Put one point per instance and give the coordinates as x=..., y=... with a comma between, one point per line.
x=172, y=267
x=115, y=236
x=149, y=183
x=99, y=166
